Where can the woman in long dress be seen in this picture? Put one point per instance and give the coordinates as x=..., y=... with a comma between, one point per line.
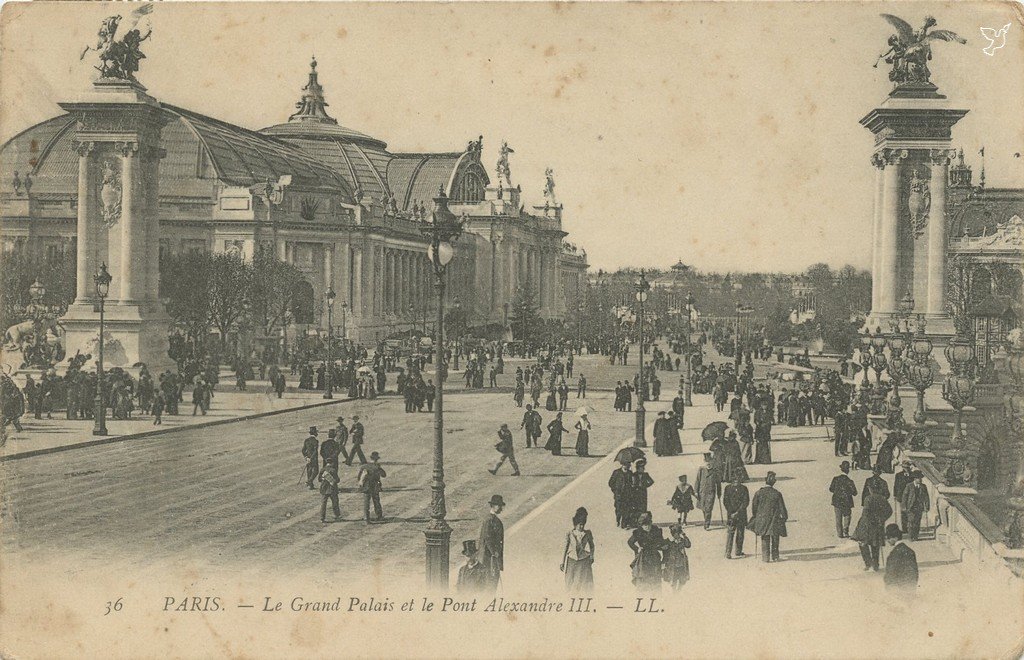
x=583, y=437
x=647, y=543
x=578, y=558
x=555, y=431
x=677, y=564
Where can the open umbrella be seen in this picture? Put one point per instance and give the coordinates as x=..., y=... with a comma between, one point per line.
x=714, y=431
x=584, y=410
x=629, y=454
x=364, y=370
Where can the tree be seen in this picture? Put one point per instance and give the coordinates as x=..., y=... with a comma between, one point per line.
x=524, y=317
x=271, y=287
x=18, y=273
x=229, y=291
x=184, y=287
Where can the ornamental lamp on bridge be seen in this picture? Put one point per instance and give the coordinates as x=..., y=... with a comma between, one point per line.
x=441, y=232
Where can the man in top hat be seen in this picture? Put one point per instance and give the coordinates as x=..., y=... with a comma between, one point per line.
x=370, y=484
x=679, y=409
x=901, y=564
x=736, y=498
x=472, y=575
x=619, y=483
x=875, y=483
x=492, y=543
x=843, y=491
x=709, y=488
x=768, y=518
x=914, y=503
x=329, y=448
x=357, y=432
x=309, y=450
x=899, y=484
x=342, y=438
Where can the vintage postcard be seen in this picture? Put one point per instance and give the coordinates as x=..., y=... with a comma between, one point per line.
x=511, y=330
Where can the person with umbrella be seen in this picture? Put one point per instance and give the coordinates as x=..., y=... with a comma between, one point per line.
x=583, y=433
x=619, y=483
x=640, y=481
x=555, y=431
x=733, y=459
x=709, y=488
x=768, y=518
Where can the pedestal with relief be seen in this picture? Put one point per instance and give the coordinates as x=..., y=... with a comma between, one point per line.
x=118, y=140
x=912, y=130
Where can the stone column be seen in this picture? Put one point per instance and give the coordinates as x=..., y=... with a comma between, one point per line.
x=937, y=233
x=328, y=274
x=890, y=231
x=129, y=239
x=876, y=233
x=358, y=281
x=85, y=251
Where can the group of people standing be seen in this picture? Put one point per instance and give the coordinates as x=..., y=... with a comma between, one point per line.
x=370, y=476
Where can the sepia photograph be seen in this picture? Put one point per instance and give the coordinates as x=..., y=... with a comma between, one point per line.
x=512, y=329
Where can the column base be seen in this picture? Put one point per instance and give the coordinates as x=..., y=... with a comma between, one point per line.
x=438, y=544
x=132, y=334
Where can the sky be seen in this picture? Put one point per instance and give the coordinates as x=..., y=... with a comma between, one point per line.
x=722, y=134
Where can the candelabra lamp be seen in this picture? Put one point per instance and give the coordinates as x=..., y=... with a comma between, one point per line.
x=958, y=391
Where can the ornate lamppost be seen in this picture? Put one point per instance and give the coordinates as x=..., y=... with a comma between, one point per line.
x=921, y=377
x=865, y=357
x=457, y=308
x=958, y=391
x=878, y=360
x=102, y=281
x=442, y=232
x=898, y=341
x=329, y=394
x=642, y=287
x=688, y=388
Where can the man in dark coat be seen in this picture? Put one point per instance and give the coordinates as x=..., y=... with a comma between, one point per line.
x=492, y=543
x=843, y=491
x=504, y=446
x=329, y=448
x=768, y=518
x=619, y=484
x=901, y=564
x=875, y=482
x=736, y=498
x=709, y=487
x=679, y=409
x=914, y=503
x=370, y=484
x=661, y=438
x=899, y=484
x=472, y=575
x=341, y=436
x=531, y=423
x=358, y=434
x=329, y=490
x=870, y=531
x=309, y=450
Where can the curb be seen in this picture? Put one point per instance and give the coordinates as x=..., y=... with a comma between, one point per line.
x=157, y=432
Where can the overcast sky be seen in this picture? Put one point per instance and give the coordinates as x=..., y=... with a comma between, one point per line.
x=725, y=135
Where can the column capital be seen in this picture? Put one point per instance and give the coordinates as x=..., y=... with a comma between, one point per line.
x=85, y=148
x=941, y=157
x=127, y=148
x=878, y=160
x=894, y=156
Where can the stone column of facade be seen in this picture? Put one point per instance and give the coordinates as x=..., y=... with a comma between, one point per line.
x=87, y=233
x=937, y=233
x=876, y=233
x=358, y=281
x=328, y=275
x=151, y=170
x=890, y=228
x=130, y=240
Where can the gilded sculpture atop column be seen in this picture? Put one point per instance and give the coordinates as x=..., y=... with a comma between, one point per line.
x=910, y=49
x=120, y=59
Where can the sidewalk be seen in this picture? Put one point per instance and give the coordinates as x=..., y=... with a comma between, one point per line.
x=43, y=436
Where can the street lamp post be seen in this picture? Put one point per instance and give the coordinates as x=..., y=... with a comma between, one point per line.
x=921, y=378
x=958, y=391
x=865, y=357
x=329, y=394
x=642, y=287
x=457, y=324
x=442, y=232
x=579, y=330
x=688, y=389
x=102, y=281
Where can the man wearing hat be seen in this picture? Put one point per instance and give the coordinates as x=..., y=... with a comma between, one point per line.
x=619, y=484
x=492, y=543
x=901, y=564
x=709, y=487
x=914, y=503
x=472, y=575
x=768, y=518
x=504, y=446
x=309, y=450
x=329, y=448
x=329, y=490
x=843, y=491
x=679, y=409
x=342, y=438
x=900, y=482
x=875, y=483
x=736, y=498
x=370, y=484
x=357, y=433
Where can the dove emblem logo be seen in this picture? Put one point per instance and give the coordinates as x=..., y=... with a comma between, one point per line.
x=996, y=39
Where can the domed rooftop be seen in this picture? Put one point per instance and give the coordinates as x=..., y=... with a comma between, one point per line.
x=200, y=150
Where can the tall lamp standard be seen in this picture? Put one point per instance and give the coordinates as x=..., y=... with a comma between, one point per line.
x=958, y=391
x=456, y=329
x=898, y=341
x=102, y=281
x=865, y=357
x=642, y=287
x=579, y=329
x=921, y=378
x=688, y=390
x=443, y=230
x=329, y=394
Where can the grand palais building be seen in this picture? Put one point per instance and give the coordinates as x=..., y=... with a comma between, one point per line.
x=349, y=218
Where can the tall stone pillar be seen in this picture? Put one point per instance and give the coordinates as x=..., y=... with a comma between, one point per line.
x=889, y=229
x=912, y=123
x=359, y=282
x=876, y=232
x=118, y=224
x=937, y=233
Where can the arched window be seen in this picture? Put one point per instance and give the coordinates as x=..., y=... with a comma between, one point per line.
x=302, y=302
x=469, y=188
